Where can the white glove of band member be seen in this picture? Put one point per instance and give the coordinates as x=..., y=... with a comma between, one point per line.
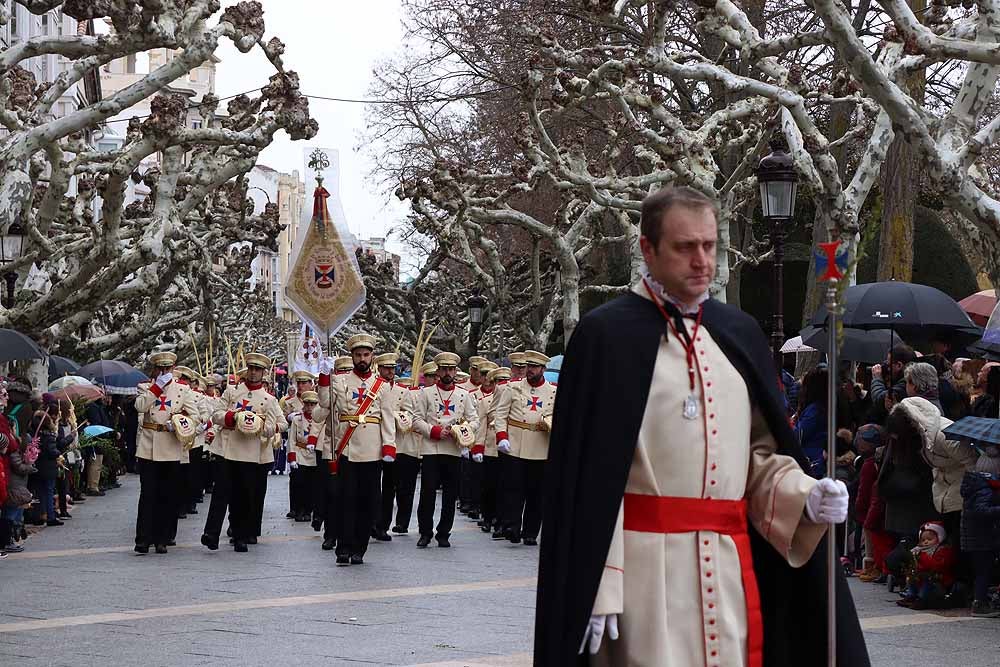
x=325, y=366
x=388, y=459
x=465, y=452
x=504, y=446
x=164, y=379
x=293, y=415
x=311, y=447
x=595, y=632
x=203, y=427
x=169, y=426
x=827, y=502
x=294, y=465
x=478, y=458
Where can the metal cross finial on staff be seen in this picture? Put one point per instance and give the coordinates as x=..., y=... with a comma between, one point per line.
x=828, y=262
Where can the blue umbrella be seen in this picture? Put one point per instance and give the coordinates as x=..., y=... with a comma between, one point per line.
x=94, y=430
x=555, y=363
x=976, y=429
x=60, y=366
x=115, y=377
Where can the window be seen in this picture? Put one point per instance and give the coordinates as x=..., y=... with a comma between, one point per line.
x=130, y=63
x=194, y=75
x=196, y=124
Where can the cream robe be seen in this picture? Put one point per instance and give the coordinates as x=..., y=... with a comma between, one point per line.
x=486, y=434
x=157, y=406
x=409, y=443
x=299, y=432
x=681, y=595
x=342, y=397
x=248, y=448
x=212, y=405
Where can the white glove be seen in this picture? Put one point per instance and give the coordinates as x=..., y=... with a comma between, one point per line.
x=388, y=459
x=311, y=447
x=169, y=426
x=294, y=465
x=827, y=502
x=595, y=632
x=325, y=365
x=465, y=452
x=478, y=458
x=504, y=446
x=293, y=415
x=164, y=379
x=202, y=427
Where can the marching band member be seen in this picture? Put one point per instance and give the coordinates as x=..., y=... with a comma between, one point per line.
x=305, y=435
x=396, y=395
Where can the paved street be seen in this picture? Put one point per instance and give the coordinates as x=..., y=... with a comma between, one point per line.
x=79, y=596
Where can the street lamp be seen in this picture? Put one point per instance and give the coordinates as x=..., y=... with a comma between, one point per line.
x=778, y=184
x=11, y=245
x=476, y=304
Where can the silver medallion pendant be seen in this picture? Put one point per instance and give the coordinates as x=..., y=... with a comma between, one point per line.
x=691, y=407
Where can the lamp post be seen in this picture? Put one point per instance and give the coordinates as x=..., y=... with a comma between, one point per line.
x=778, y=182
x=476, y=305
x=11, y=245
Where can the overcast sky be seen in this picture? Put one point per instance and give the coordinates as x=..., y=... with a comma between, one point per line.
x=333, y=46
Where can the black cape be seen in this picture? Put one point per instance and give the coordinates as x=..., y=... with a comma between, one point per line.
x=603, y=389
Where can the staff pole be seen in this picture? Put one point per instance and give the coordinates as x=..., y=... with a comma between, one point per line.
x=831, y=468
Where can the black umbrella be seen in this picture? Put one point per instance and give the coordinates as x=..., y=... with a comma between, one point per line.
x=15, y=346
x=917, y=313
x=870, y=347
x=60, y=366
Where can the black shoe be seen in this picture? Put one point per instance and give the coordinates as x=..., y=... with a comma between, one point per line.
x=251, y=540
x=443, y=542
x=210, y=542
x=328, y=546
x=399, y=530
x=498, y=535
x=486, y=529
x=171, y=543
x=273, y=472
x=317, y=525
x=36, y=522
x=78, y=498
x=229, y=531
x=423, y=541
x=291, y=515
x=54, y=522
x=474, y=514
x=240, y=547
x=182, y=516
x=64, y=515
x=983, y=609
x=94, y=493
x=302, y=518
x=141, y=548
x=357, y=560
x=115, y=485
x=530, y=542
x=343, y=560
x=281, y=472
x=161, y=548
x=193, y=509
x=383, y=537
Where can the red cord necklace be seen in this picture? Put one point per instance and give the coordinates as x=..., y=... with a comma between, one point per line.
x=690, y=410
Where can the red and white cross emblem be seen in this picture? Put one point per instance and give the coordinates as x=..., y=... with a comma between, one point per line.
x=359, y=395
x=534, y=403
x=446, y=407
x=245, y=405
x=163, y=403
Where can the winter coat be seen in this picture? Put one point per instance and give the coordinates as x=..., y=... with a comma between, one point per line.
x=866, y=483
x=980, y=512
x=18, y=470
x=985, y=406
x=810, y=429
x=940, y=564
x=878, y=392
x=48, y=447
x=950, y=459
x=907, y=491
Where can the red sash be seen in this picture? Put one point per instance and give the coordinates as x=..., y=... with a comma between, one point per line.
x=661, y=514
x=363, y=408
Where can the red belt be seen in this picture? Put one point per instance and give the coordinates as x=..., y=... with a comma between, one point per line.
x=661, y=514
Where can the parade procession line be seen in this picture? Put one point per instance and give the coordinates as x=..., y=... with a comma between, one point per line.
x=265, y=603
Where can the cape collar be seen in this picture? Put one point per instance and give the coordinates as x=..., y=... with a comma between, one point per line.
x=658, y=290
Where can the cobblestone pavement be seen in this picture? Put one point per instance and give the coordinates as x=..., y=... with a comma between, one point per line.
x=79, y=596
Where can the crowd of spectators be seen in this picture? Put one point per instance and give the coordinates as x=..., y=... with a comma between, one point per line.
x=48, y=464
x=925, y=517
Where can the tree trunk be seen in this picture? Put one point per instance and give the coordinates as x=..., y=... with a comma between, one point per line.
x=900, y=183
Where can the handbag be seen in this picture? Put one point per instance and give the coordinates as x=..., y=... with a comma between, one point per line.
x=17, y=496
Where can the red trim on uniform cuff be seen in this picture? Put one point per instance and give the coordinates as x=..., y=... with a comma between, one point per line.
x=501, y=436
x=231, y=419
x=155, y=389
x=479, y=449
x=389, y=450
x=436, y=432
x=312, y=440
x=291, y=457
x=324, y=380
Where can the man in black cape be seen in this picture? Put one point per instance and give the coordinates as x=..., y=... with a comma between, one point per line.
x=604, y=386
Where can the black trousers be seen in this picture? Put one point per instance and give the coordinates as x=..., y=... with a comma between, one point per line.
x=300, y=488
x=244, y=481
x=465, y=482
x=196, y=475
x=322, y=488
x=183, y=495
x=491, y=475
x=444, y=470
x=332, y=493
x=522, y=495
x=259, y=496
x=387, y=498
x=156, y=518
x=358, y=505
x=220, y=497
x=407, y=469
